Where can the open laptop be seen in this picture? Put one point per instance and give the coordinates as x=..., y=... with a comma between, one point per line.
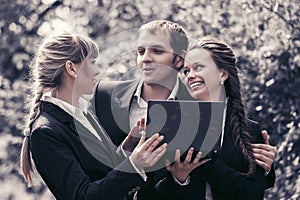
x=186, y=124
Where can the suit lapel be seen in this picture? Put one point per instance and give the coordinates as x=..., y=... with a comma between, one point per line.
x=121, y=100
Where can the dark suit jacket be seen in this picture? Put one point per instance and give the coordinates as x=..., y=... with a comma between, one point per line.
x=223, y=173
x=68, y=168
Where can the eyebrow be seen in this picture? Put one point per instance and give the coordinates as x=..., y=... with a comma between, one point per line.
x=197, y=63
x=153, y=46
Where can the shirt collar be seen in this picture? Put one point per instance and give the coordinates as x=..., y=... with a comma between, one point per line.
x=70, y=109
x=172, y=96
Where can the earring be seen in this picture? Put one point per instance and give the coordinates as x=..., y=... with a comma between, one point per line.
x=222, y=82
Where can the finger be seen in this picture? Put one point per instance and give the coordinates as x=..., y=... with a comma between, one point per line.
x=155, y=143
x=138, y=123
x=263, y=158
x=143, y=122
x=142, y=139
x=177, y=157
x=270, y=154
x=134, y=131
x=265, y=136
x=168, y=165
x=150, y=141
x=262, y=164
x=161, y=148
x=158, y=156
x=197, y=158
x=263, y=146
x=154, y=156
x=189, y=155
x=202, y=162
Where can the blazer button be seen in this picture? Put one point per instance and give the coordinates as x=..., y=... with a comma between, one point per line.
x=137, y=187
x=129, y=193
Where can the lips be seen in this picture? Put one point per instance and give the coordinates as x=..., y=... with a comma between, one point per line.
x=147, y=69
x=196, y=84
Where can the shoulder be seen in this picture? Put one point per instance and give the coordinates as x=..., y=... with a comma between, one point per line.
x=45, y=123
x=111, y=85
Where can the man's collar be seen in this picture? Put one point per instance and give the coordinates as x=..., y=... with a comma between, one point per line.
x=172, y=96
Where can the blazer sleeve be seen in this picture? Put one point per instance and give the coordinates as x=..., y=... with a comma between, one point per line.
x=65, y=177
x=234, y=185
x=270, y=178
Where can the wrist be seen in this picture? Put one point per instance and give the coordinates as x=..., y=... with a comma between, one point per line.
x=182, y=181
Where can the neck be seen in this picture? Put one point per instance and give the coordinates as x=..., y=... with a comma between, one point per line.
x=65, y=93
x=155, y=91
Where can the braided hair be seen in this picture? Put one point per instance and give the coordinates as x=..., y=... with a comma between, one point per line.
x=46, y=75
x=224, y=58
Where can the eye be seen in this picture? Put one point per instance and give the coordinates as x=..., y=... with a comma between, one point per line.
x=198, y=67
x=158, y=50
x=185, y=72
x=140, y=51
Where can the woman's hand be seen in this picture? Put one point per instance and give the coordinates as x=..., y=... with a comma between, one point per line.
x=181, y=170
x=264, y=153
x=145, y=154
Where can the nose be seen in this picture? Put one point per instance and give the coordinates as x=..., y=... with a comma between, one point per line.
x=191, y=75
x=147, y=57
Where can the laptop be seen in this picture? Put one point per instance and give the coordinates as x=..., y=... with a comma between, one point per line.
x=186, y=124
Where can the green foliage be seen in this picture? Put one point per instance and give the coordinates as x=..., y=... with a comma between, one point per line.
x=265, y=35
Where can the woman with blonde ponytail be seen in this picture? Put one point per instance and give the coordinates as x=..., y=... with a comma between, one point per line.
x=63, y=142
x=210, y=74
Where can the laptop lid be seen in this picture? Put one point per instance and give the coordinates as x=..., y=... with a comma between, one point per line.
x=186, y=124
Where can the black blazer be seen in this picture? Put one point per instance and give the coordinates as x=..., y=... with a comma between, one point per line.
x=223, y=173
x=68, y=168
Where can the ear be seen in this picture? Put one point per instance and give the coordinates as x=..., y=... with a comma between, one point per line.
x=223, y=74
x=70, y=69
x=179, y=60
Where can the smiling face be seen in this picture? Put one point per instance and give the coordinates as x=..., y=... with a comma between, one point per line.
x=202, y=76
x=155, y=58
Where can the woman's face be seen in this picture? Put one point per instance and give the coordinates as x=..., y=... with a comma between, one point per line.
x=86, y=77
x=202, y=76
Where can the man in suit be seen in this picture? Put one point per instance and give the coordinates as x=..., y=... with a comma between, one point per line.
x=160, y=56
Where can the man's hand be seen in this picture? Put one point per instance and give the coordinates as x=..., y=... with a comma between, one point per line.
x=133, y=138
x=264, y=153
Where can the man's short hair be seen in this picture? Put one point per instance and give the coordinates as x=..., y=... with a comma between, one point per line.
x=178, y=36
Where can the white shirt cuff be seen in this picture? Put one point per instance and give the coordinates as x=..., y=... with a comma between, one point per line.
x=141, y=172
x=186, y=182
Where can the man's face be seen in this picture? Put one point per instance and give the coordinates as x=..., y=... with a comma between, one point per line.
x=155, y=58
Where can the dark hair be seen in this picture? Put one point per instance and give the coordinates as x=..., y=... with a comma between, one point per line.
x=48, y=65
x=224, y=58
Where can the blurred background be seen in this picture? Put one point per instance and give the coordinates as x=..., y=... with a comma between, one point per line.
x=265, y=35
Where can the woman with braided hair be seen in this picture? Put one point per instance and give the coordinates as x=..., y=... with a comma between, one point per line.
x=71, y=151
x=211, y=75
